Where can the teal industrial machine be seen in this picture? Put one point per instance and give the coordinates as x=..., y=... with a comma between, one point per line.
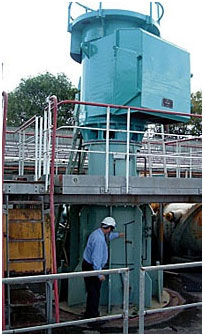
x=124, y=62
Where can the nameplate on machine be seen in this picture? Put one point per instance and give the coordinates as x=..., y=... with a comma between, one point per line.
x=167, y=102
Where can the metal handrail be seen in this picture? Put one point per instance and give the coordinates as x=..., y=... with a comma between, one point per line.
x=158, y=155
x=128, y=131
x=126, y=107
x=46, y=158
x=49, y=278
x=53, y=99
x=142, y=311
x=5, y=108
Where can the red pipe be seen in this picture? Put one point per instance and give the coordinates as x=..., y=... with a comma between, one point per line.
x=52, y=212
x=134, y=108
x=5, y=100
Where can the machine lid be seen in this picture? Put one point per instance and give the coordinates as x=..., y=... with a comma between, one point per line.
x=106, y=18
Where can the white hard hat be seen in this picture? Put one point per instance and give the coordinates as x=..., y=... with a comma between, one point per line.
x=109, y=221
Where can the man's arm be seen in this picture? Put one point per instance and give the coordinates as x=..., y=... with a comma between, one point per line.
x=121, y=234
x=114, y=235
x=97, y=257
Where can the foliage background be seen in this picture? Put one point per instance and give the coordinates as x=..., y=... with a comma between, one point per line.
x=29, y=98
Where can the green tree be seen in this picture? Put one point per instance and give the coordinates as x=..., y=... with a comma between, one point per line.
x=29, y=98
x=194, y=126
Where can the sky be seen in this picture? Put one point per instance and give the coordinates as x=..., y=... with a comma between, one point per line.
x=35, y=38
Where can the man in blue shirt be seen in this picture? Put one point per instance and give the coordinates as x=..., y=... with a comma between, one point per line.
x=94, y=258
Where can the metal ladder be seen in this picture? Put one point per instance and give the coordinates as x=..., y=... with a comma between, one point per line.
x=12, y=290
x=74, y=154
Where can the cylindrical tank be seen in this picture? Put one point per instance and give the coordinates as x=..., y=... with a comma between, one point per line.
x=183, y=229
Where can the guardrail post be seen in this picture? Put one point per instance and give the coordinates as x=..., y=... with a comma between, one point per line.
x=128, y=151
x=141, y=301
x=49, y=304
x=126, y=302
x=107, y=150
x=36, y=148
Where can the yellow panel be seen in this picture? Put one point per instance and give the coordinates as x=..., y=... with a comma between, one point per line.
x=26, y=229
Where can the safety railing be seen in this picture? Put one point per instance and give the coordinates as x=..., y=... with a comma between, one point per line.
x=160, y=154
x=181, y=161
x=85, y=9
x=54, y=277
x=142, y=310
x=35, y=146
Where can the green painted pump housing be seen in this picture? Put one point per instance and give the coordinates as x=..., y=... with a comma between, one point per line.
x=125, y=62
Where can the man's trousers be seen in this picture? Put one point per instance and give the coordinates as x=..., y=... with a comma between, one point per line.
x=93, y=286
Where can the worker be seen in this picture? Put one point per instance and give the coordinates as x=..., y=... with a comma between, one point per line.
x=94, y=258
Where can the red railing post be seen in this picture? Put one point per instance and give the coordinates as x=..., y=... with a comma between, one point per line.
x=52, y=212
x=5, y=108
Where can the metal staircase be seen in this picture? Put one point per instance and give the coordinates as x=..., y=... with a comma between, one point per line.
x=76, y=156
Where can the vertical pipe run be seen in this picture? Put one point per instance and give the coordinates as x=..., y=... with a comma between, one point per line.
x=52, y=211
x=141, y=301
x=126, y=302
x=128, y=151
x=5, y=108
x=107, y=150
